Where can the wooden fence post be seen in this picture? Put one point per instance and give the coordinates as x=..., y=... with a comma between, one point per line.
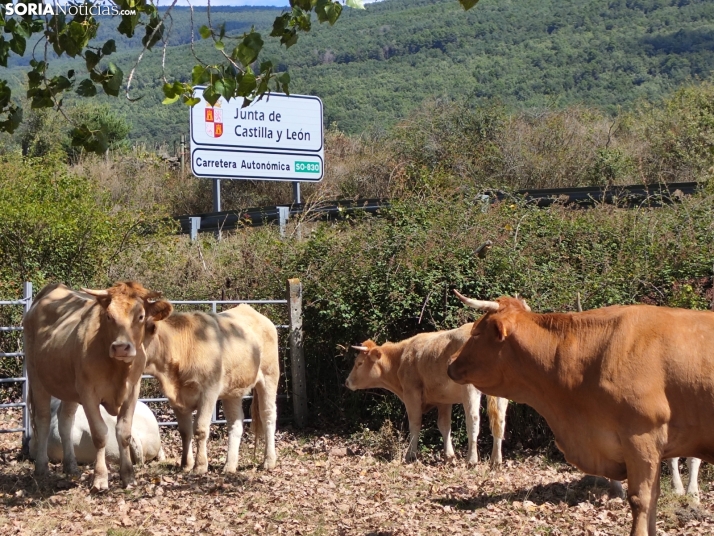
x=297, y=358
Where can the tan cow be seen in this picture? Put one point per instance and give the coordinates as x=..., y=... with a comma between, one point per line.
x=201, y=357
x=621, y=387
x=87, y=348
x=415, y=371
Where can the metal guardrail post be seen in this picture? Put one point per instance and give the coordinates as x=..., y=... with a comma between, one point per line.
x=297, y=358
x=283, y=215
x=26, y=424
x=195, y=226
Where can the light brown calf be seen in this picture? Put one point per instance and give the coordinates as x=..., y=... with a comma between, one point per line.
x=201, y=357
x=87, y=348
x=415, y=371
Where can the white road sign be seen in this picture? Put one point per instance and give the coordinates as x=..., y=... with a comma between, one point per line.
x=277, y=138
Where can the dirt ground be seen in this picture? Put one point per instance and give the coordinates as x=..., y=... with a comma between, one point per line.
x=331, y=485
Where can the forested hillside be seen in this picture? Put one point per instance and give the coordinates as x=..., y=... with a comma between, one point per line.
x=374, y=66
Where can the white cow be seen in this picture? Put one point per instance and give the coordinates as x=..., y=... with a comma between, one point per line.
x=145, y=442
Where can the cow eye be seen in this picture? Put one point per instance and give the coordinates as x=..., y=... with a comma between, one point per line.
x=110, y=317
x=141, y=318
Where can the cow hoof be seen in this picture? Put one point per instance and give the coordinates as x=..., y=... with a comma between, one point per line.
x=100, y=484
x=410, y=457
x=269, y=465
x=42, y=471
x=229, y=470
x=71, y=469
x=200, y=470
x=694, y=500
x=472, y=463
x=187, y=468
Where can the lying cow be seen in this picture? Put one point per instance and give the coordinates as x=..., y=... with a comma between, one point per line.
x=87, y=348
x=621, y=387
x=199, y=358
x=145, y=444
x=415, y=371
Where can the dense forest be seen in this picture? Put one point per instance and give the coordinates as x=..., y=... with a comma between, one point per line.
x=374, y=66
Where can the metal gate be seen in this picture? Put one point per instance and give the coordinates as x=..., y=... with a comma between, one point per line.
x=296, y=392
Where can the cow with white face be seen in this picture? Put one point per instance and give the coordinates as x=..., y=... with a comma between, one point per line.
x=415, y=371
x=87, y=348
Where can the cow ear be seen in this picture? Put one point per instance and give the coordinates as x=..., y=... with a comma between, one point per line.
x=501, y=329
x=375, y=354
x=158, y=310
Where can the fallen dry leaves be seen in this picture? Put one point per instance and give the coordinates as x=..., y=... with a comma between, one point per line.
x=329, y=485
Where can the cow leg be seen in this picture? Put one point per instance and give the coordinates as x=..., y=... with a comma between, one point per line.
x=444, y=424
x=123, y=433
x=233, y=410
x=693, y=486
x=412, y=401
x=41, y=416
x=472, y=406
x=643, y=486
x=185, y=426
x=65, y=423
x=201, y=426
x=497, y=408
x=676, y=478
x=98, y=429
x=267, y=392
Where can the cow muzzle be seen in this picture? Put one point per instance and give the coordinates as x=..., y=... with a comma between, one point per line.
x=349, y=384
x=454, y=373
x=122, y=350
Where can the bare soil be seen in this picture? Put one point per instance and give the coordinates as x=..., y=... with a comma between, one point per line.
x=331, y=485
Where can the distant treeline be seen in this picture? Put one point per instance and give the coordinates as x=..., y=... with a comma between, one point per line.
x=373, y=67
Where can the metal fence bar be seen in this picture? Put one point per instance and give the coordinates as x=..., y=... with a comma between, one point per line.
x=26, y=429
x=26, y=424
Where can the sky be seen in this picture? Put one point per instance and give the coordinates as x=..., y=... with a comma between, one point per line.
x=235, y=2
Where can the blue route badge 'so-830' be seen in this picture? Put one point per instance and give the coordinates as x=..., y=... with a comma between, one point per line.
x=279, y=138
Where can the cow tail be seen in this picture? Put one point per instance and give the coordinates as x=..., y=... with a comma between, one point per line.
x=496, y=416
x=256, y=425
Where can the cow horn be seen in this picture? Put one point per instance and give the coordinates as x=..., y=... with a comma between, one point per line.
x=97, y=293
x=482, y=305
x=360, y=348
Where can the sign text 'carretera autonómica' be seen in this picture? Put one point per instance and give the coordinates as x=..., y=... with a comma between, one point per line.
x=277, y=138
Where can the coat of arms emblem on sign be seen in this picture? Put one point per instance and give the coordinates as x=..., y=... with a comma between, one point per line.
x=214, y=121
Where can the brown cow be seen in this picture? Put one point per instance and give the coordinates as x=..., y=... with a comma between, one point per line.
x=415, y=371
x=621, y=387
x=87, y=348
x=201, y=357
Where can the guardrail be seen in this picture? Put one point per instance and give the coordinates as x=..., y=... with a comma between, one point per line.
x=585, y=197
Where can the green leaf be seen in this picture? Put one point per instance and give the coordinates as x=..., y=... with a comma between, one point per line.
x=113, y=79
x=91, y=59
x=204, y=31
x=358, y=4
x=248, y=50
x=86, y=88
x=198, y=75
x=109, y=47
x=246, y=83
x=219, y=45
x=211, y=95
x=191, y=101
x=17, y=45
x=468, y=4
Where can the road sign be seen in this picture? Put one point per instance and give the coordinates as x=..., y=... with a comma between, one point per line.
x=277, y=138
